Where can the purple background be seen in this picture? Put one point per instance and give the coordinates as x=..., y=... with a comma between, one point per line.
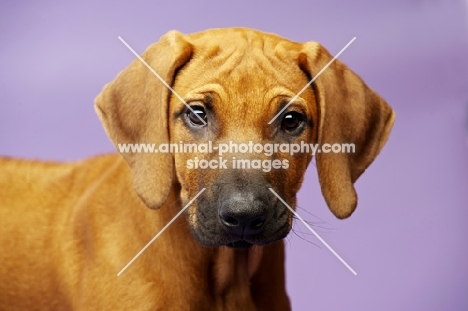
x=408, y=239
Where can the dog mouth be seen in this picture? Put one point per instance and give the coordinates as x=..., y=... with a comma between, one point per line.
x=240, y=244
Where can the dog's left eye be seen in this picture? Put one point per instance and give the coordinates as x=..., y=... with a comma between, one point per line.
x=291, y=121
x=196, y=115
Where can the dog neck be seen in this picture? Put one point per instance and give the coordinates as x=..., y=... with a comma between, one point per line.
x=234, y=268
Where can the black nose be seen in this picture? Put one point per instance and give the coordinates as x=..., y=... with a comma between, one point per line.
x=242, y=215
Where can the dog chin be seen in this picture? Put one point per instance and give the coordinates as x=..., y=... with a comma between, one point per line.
x=240, y=244
x=234, y=243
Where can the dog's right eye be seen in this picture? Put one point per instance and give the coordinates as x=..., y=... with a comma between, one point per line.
x=196, y=115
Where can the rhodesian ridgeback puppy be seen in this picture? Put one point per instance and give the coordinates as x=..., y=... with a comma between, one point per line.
x=67, y=229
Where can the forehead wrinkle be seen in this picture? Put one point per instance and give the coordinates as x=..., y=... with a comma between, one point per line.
x=233, y=50
x=248, y=84
x=255, y=77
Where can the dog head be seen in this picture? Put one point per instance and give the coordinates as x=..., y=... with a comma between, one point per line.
x=237, y=111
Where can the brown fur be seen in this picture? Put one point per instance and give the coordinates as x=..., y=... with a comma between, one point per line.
x=67, y=229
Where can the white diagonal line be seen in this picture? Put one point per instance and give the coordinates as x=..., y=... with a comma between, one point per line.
x=161, y=79
x=312, y=230
x=160, y=232
x=311, y=81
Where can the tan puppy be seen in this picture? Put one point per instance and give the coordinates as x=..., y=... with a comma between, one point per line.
x=67, y=229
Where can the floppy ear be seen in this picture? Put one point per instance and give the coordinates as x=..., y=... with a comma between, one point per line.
x=134, y=110
x=349, y=112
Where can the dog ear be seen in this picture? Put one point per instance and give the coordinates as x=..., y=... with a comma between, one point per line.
x=134, y=110
x=349, y=112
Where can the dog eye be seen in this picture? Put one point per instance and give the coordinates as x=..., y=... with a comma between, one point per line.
x=291, y=121
x=195, y=114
